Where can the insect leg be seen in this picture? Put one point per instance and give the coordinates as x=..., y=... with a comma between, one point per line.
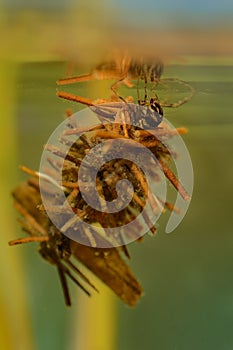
x=75, y=98
x=180, y=102
x=115, y=87
x=175, y=182
x=64, y=284
x=28, y=240
x=75, y=280
x=77, y=79
x=138, y=94
x=81, y=274
x=145, y=89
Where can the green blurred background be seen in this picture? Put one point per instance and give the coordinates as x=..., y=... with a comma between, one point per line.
x=187, y=276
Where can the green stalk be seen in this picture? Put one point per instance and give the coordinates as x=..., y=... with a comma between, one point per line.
x=14, y=318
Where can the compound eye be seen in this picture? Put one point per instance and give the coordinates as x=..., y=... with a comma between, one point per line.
x=156, y=107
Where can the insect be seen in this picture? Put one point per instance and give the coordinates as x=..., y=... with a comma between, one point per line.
x=59, y=250
x=129, y=72
x=122, y=70
x=111, y=163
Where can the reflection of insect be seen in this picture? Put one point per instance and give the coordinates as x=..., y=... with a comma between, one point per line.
x=130, y=73
x=124, y=72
